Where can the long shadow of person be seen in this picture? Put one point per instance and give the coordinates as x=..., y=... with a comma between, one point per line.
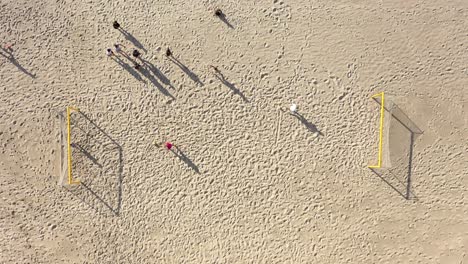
x=132, y=39
x=311, y=127
x=180, y=154
x=187, y=71
x=223, y=18
x=13, y=60
x=128, y=68
x=156, y=72
x=231, y=86
x=155, y=82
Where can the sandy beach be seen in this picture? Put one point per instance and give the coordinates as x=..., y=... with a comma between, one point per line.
x=247, y=181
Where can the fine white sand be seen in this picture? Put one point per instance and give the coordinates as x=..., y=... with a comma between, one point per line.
x=248, y=181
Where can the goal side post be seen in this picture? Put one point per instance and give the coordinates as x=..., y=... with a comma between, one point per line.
x=69, y=150
x=381, y=101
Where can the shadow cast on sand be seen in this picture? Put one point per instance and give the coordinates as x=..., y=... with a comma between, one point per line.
x=86, y=153
x=128, y=68
x=146, y=73
x=155, y=82
x=187, y=71
x=180, y=154
x=231, y=86
x=13, y=61
x=157, y=73
x=132, y=39
x=399, y=176
x=391, y=176
x=223, y=18
x=380, y=175
x=101, y=178
x=311, y=127
x=401, y=187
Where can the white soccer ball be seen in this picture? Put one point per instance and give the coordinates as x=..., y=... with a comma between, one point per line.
x=293, y=108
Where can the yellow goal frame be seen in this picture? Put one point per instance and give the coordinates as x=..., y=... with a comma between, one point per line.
x=382, y=110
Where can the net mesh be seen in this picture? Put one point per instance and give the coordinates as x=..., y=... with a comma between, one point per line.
x=399, y=133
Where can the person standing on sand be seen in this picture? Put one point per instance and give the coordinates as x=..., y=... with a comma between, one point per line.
x=116, y=25
x=218, y=13
x=293, y=109
x=169, y=145
x=137, y=66
x=9, y=50
x=8, y=47
x=215, y=69
x=136, y=53
x=109, y=52
x=168, y=52
x=118, y=48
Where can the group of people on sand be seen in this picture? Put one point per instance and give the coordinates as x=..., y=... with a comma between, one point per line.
x=135, y=53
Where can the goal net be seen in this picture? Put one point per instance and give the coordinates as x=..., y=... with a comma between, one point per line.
x=395, y=128
x=397, y=135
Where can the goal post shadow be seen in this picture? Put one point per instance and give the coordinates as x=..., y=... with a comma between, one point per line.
x=96, y=159
x=397, y=135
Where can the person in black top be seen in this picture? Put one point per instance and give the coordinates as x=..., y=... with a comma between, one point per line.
x=116, y=25
x=168, y=52
x=136, y=53
x=218, y=12
x=109, y=52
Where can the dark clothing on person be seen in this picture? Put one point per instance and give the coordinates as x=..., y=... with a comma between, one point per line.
x=116, y=25
x=136, y=53
x=168, y=52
